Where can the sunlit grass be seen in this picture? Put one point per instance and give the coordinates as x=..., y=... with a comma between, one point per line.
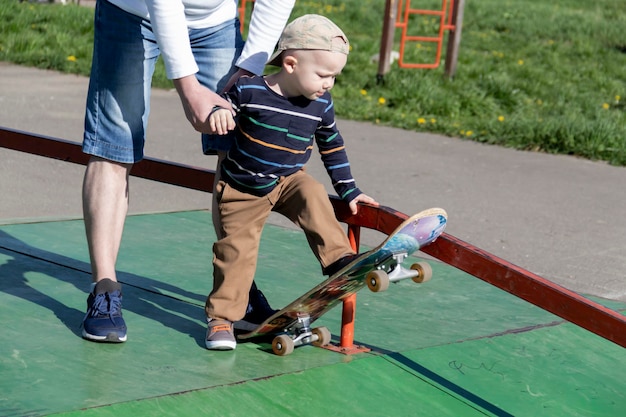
x=535, y=75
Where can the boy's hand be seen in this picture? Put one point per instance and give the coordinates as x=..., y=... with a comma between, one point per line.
x=198, y=101
x=361, y=198
x=221, y=121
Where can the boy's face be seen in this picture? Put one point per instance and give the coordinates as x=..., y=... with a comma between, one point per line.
x=314, y=71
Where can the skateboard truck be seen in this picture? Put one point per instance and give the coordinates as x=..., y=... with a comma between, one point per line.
x=391, y=270
x=300, y=334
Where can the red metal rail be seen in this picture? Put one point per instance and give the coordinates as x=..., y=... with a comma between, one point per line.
x=496, y=271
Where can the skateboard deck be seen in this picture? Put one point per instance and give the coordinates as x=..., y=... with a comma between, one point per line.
x=374, y=268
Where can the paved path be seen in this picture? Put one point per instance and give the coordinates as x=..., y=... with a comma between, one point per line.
x=558, y=216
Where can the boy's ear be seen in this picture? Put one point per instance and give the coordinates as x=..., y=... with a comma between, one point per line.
x=289, y=63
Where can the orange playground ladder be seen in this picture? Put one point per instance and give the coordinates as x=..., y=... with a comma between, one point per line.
x=398, y=14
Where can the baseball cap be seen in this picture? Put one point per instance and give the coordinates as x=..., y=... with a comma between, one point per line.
x=310, y=31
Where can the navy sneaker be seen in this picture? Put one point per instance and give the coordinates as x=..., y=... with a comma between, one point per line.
x=258, y=311
x=103, y=321
x=333, y=268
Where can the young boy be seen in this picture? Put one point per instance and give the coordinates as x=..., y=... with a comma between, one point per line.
x=280, y=116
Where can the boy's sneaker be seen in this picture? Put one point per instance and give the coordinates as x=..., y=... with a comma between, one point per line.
x=258, y=311
x=103, y=321
x=220, y=335
x=338, y=264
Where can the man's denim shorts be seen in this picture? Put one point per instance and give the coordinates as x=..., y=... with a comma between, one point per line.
x=125, y=53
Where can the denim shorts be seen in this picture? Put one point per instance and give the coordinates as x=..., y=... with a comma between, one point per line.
x=124, y=56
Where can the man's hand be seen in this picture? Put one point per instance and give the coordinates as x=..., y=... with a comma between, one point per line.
x=198, y=102
x=361, y=198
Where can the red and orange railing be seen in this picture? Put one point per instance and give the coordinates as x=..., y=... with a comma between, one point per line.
x=545, y=294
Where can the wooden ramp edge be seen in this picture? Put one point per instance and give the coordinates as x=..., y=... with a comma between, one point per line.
x=539, y=291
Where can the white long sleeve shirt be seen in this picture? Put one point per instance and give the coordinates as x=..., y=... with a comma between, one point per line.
x=171, y=20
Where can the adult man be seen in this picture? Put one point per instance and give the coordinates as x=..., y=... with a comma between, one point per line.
x=203, y=51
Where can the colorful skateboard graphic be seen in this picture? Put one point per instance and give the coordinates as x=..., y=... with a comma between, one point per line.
x=375, y=268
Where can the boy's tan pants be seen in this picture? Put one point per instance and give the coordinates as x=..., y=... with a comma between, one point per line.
x=300, y=198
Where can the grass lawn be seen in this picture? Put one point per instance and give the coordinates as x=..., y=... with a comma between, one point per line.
x=531, y=74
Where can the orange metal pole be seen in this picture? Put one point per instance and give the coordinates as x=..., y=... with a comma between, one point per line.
x=348, y=313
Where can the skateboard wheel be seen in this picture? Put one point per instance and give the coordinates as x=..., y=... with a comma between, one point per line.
x=323, y=336
x=424, y=272
x=282, y=345
x=377, y=280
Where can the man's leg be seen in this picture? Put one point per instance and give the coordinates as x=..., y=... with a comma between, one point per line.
x=116, y=116
x=105, y=204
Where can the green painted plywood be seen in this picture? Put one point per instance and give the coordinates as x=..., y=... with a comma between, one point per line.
x=165, y=264
x=554, y=371
x=368, y=387
x=46, y=367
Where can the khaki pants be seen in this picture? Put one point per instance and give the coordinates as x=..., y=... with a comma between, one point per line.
x=241, y=218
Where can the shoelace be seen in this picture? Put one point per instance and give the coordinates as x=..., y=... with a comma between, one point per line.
x=105, y=305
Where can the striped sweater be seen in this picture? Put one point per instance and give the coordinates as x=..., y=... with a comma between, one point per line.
x=275, y=135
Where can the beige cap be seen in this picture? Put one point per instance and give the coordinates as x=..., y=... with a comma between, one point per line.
x=311, y=31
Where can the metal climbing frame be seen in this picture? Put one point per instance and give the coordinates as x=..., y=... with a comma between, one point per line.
x=398, y=14
x=445, y=23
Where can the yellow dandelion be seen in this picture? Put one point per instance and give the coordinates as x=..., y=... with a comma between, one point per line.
x=421, y=121
x=501, y=118
x=469, y=133
x=617, y=98
x=433, y=121
x=381, y=100
x=71, y=58
x=363, y=92
x=605, y=106
x=520, y=62
x=462, y=132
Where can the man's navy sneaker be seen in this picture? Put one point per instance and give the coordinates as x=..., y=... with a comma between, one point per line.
x=103, y=321
x=258, y=311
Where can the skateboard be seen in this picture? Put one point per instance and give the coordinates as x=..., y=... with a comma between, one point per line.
x=375, y=269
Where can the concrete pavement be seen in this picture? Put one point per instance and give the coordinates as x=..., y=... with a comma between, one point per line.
x=557, y=216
